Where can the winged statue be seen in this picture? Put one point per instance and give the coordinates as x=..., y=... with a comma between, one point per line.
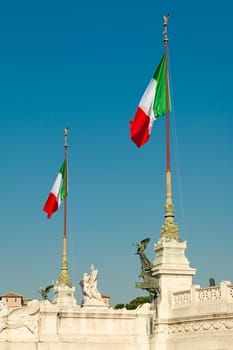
x=45, y=291
x=145, y=262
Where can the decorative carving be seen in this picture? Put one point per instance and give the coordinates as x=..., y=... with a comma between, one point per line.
x=3, y=314
x=206, y=325
x=209, y=294
x=182, y=297
x=64, y=277
x=160, y=329
x=230, y=290
x=198, y=326
x=228, y=324
x=170, y=229
x=25, y=317
x=217, y=325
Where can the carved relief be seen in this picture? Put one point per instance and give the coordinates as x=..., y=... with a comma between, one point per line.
x=198, y=326
x=160, y=329
x=228, y=324
x=24, y=320
x=3, y=314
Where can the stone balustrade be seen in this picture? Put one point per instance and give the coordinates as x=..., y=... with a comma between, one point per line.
x=211, y=294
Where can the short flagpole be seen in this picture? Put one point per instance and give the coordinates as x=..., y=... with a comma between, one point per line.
x=64, y=276
x=169, y=229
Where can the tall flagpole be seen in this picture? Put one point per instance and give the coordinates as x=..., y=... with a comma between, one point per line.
x=170, y=229
x=65, y=177
x=64, y=276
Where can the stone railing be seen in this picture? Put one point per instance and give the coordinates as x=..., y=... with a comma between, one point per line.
x=204, y=295
x=183, y=297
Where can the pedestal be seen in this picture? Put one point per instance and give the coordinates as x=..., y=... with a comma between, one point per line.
x=64, y=295
x=171, y=267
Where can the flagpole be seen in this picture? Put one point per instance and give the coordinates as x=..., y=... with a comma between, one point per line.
x=168, y=157
x=64, y=276
x=65, y=177
x=165, y=40
x=169, y=230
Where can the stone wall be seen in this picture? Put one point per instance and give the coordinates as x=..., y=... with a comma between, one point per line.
x=45, y=326
x=199, y=319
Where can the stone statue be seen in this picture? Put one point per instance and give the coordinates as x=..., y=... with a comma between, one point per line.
x=211, y=282
x=91, y=295
x=86, y=287
x=93, y=283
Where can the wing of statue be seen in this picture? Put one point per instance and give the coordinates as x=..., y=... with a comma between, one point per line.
x=145, y=241
x=47, y=289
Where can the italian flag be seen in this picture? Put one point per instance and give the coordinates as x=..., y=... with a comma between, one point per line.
x=151, y=106
x=57, y=192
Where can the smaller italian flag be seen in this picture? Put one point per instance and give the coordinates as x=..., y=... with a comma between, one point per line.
x=57, y=193
x=151, y=106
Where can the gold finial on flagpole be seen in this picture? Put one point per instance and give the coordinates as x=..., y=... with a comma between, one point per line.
x=165, y=23
x=65, y=137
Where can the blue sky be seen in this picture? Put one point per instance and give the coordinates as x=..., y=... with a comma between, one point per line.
x=85, y=65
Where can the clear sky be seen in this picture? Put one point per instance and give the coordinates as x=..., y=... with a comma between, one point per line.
x=85, y=65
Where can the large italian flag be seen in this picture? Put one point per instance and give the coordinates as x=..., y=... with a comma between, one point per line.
x=151, y=106
x=57, y=192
